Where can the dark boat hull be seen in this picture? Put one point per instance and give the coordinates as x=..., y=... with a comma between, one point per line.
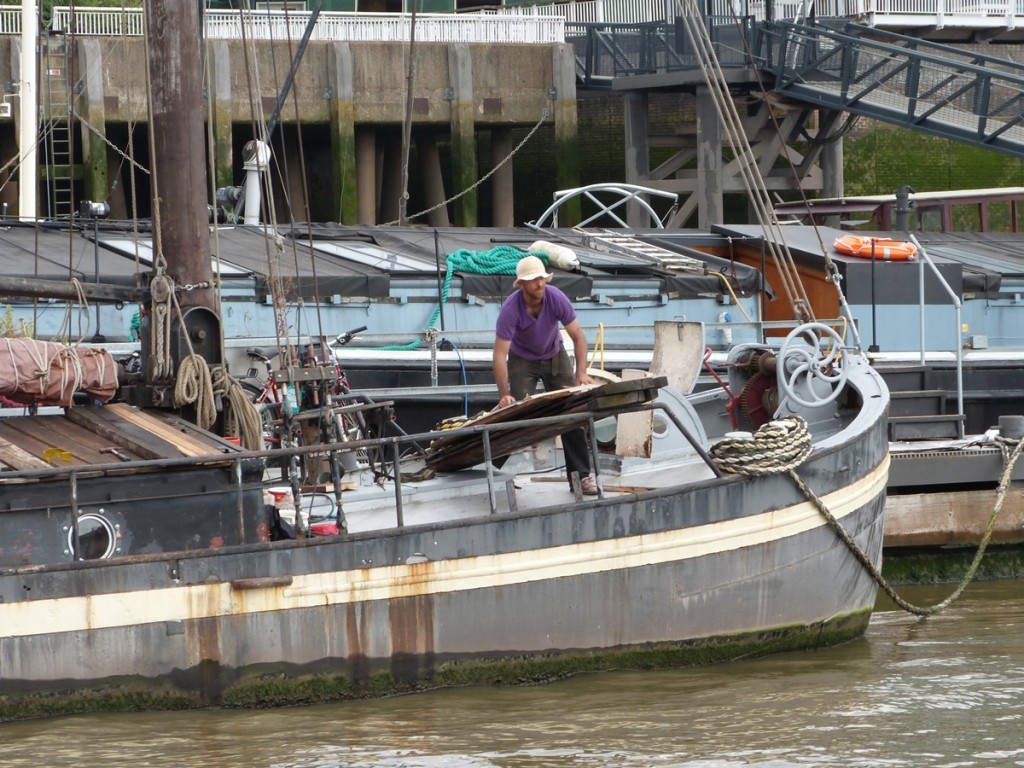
x=724, y=568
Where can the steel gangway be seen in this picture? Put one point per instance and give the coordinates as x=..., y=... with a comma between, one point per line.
x=931, y=87
x=940, y=89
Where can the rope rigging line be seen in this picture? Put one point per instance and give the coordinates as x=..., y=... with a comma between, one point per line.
x=781, y=446
x=159, y=261
x=304, y=189
x=102, y=137
x=81, y=301
x=194, y=386
x=482, y=179
x=274, y=242
x=831, y=270
x=750, y=172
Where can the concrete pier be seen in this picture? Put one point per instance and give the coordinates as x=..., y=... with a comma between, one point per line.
x=347, y=106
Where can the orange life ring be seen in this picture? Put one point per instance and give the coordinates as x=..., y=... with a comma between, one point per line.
x=875, y=247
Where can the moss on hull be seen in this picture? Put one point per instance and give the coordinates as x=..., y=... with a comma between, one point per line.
x=263, y=687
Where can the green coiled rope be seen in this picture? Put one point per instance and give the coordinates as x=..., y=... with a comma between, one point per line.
x=499, y=260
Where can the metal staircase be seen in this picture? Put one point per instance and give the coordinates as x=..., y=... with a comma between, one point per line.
x=917, y=408
x=905, y=81
x=56, y=129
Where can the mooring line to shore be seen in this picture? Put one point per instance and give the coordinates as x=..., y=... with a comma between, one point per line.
x=760, y=454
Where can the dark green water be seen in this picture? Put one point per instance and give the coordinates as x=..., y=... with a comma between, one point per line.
x=947, y=691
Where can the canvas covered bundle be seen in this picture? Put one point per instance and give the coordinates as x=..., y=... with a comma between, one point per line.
x=46, y=373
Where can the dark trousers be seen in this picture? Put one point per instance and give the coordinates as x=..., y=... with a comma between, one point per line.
x=555, y=373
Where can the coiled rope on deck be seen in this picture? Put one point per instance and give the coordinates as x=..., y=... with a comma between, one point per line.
x=782, y=445
x=778, y=446
x=499, y=260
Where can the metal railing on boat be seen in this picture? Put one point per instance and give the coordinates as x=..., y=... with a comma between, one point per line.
x=391, y=446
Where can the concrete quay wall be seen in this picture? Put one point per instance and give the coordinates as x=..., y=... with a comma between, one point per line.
x=340, y=126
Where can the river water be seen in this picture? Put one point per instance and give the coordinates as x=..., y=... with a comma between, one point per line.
x=947, y=691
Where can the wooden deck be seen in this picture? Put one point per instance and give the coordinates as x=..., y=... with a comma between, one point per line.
x=106, y=434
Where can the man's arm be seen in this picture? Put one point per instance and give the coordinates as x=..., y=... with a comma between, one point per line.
x=500, y=365
x=579, y=345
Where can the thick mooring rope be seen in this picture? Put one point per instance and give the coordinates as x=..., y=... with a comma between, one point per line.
x=778, y=446
x=782, y=445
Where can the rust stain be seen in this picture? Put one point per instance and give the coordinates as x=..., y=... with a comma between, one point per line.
x=411, y=621
x=359, y=668
x=263, y=532
x=203, y=638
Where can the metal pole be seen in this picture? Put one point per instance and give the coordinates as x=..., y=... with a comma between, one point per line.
x=28, y=127
x=874, y=313
x=275, y=117
x=403, y=201
x=97, y=337
x=440, y=287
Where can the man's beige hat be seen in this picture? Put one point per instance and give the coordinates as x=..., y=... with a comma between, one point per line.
x=530, y=268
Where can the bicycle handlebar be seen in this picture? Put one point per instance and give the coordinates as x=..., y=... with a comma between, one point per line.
x=344, y=338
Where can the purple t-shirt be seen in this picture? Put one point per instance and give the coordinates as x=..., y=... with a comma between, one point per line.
x=535, y=339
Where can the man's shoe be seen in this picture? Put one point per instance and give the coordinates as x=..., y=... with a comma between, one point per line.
x=588, y=487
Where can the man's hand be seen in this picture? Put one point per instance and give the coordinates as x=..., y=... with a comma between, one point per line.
x=500, y=362
x=582, y=377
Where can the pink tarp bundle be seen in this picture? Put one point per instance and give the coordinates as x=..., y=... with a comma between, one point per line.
x=49, y=374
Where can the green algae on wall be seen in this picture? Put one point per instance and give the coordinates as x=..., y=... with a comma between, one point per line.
x=948, y=566
x=882, y=159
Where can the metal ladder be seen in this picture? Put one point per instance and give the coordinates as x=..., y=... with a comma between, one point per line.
x=57, y=130
x=629, y=245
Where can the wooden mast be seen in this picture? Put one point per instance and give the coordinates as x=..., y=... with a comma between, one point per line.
x=180, y=210
x=181, y=239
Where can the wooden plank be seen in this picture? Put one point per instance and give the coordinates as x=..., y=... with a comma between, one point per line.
x=678, y=353
x=31, y=434
x=18, y=458
x=182, y=442
x=459, y=451
x=83, y=444
x=37, y=435
x=202, y=442
x=108, y=421
x=634, y=431
x=952, y=519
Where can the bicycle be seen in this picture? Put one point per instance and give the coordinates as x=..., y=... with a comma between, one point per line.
x=313, y=403
x=264, y=393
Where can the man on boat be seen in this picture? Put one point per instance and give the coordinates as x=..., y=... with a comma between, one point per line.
x=528, y=348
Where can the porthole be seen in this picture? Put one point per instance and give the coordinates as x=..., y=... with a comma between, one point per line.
x=97, y=537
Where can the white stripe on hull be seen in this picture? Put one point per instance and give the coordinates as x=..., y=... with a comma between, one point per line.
x=198, y=601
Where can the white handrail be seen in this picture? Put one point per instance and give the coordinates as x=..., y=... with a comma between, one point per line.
x=619, y=194
x=491, y=28
x=532, y=24
x=958, y=349
x=538, y=24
